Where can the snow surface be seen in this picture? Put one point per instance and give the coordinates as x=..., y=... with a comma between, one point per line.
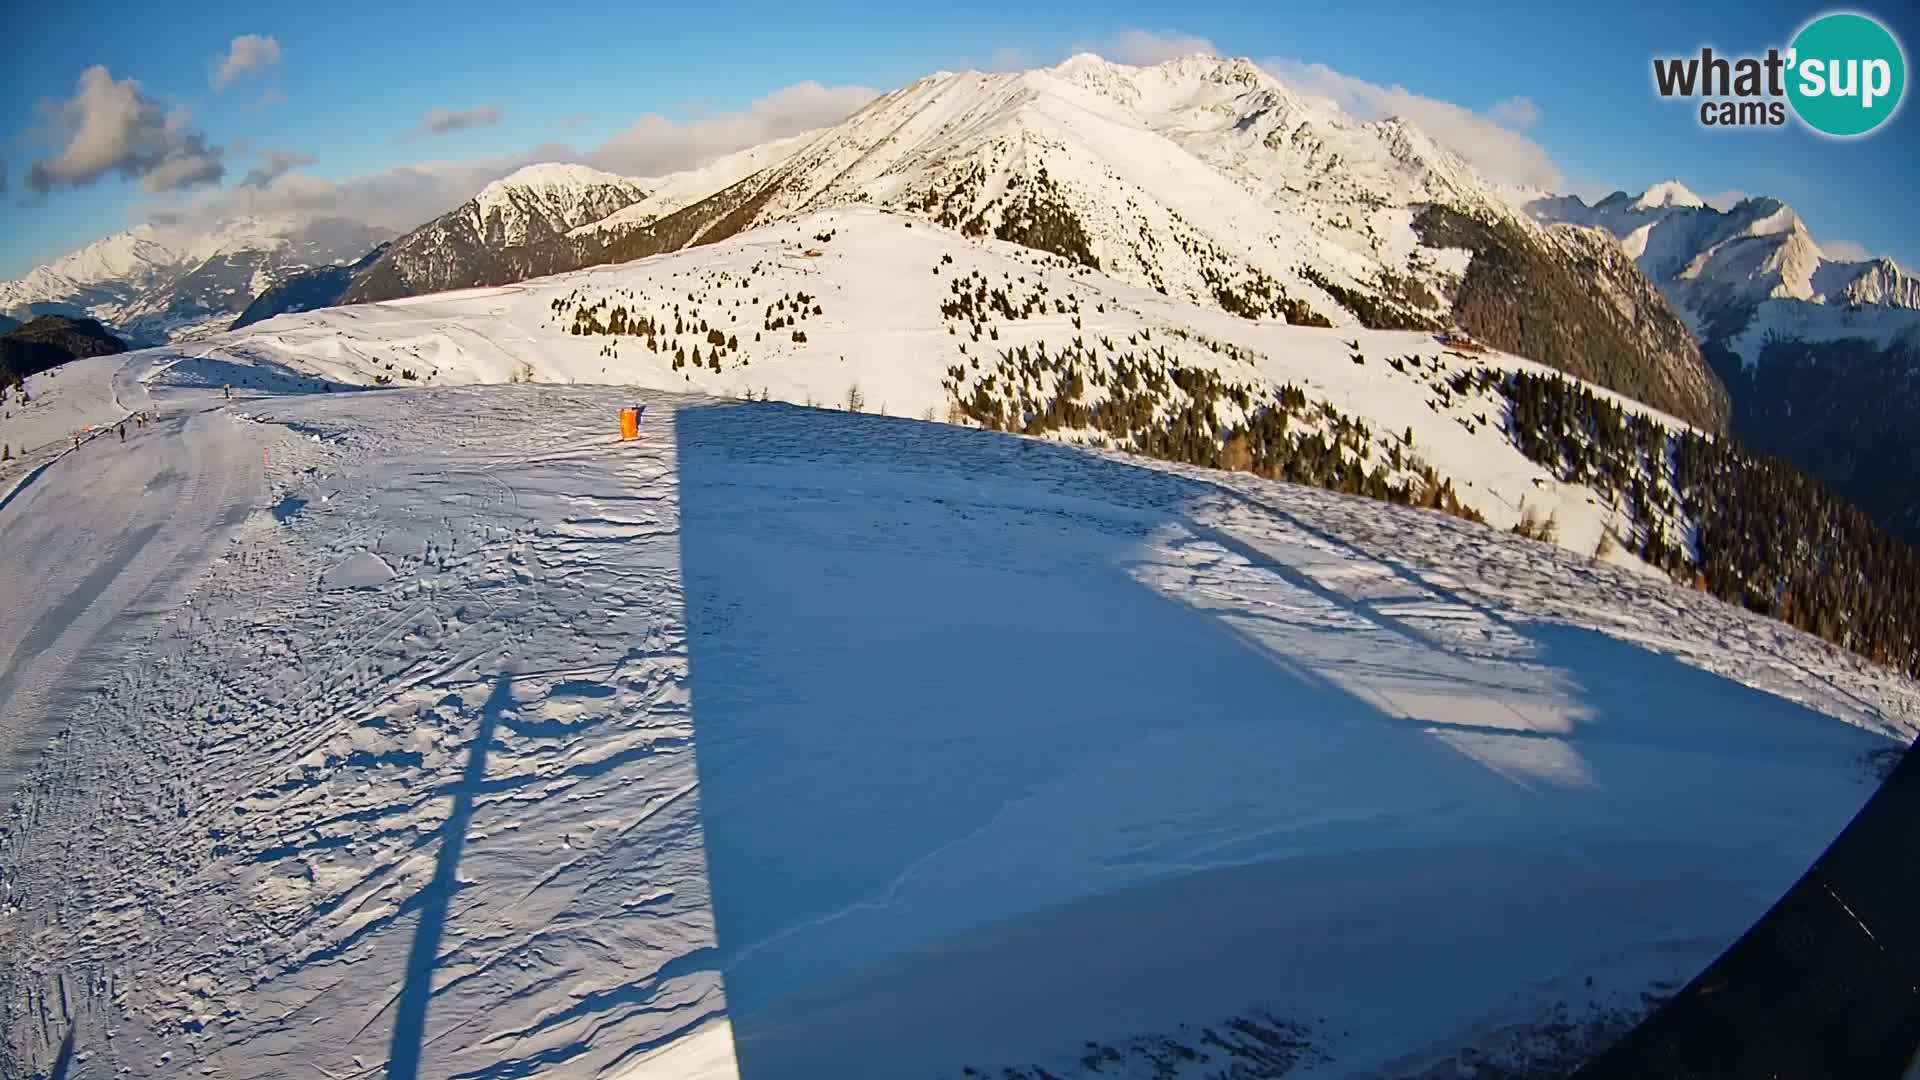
x=1884, y=326
x=284, y=759
x=1003, y=746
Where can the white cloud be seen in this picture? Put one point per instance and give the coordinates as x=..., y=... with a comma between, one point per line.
x=1488, y=141
x=1148, y=47
x=1725, y=200
x=111, y=126
x=442, y=121
x=269, y=98
x=1009, y=58
x=1845, y=251
x=398, y=198
x=274, y=165
x=412, y=194
x=249, y=54
x=181, y=171
x=1518, y=113
x=654, y=145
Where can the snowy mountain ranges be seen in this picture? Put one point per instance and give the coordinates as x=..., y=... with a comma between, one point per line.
x=1821, y=356
x=1214, y=185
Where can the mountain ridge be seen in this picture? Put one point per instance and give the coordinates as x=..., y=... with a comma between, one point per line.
x=1720, y=265
x=874, y=307
x=1203, y=178
x=1821, y=356
x=542, y=202
x=49, y=341
x=306, y=290
x=152, y=285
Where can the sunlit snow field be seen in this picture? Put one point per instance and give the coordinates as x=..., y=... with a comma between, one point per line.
x=435, y=733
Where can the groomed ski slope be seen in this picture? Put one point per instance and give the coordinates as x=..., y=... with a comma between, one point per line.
x=789, y=742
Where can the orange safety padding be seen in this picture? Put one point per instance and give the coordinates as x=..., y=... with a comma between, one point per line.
x=629, y=423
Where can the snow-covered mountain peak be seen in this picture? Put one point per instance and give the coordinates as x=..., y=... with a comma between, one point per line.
x=251, y=233
x=1878, y=281
x=1768, y=217
x=1087, y=65
x=492, y=233
x=1087, y=71
x=547, y=199
x=1196, y=81
x=552, y=182
x=1203, y=178
x=1669, y=193
x=553, y=176
x=135, y=253
x=1816, y=351
x=1720, y=264
x=151, y=283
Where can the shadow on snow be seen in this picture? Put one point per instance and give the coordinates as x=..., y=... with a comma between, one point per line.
x=410, y=1018
x=939, y=704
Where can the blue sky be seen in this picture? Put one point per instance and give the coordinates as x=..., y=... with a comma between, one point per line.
x=352, y=83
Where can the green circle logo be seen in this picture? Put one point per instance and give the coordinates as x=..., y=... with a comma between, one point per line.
x=1848, y=74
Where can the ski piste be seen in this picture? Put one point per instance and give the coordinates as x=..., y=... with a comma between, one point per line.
x=1161, y=718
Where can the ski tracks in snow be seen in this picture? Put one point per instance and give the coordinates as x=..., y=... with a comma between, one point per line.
x=403, y=777
x=281, y=832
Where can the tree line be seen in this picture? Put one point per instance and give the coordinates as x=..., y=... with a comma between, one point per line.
x=1745, y=526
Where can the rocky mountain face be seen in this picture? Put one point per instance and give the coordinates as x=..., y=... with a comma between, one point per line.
x=103, y=277
x=1721, y=265
x=49, y=341
x=489, y=239
x=306, y=290
x=1846, y=410
x=1571, y=298
x=1821, y=356
x=152, y=285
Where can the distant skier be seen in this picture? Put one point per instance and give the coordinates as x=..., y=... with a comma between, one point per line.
x=123, y=431
x=227, y=389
